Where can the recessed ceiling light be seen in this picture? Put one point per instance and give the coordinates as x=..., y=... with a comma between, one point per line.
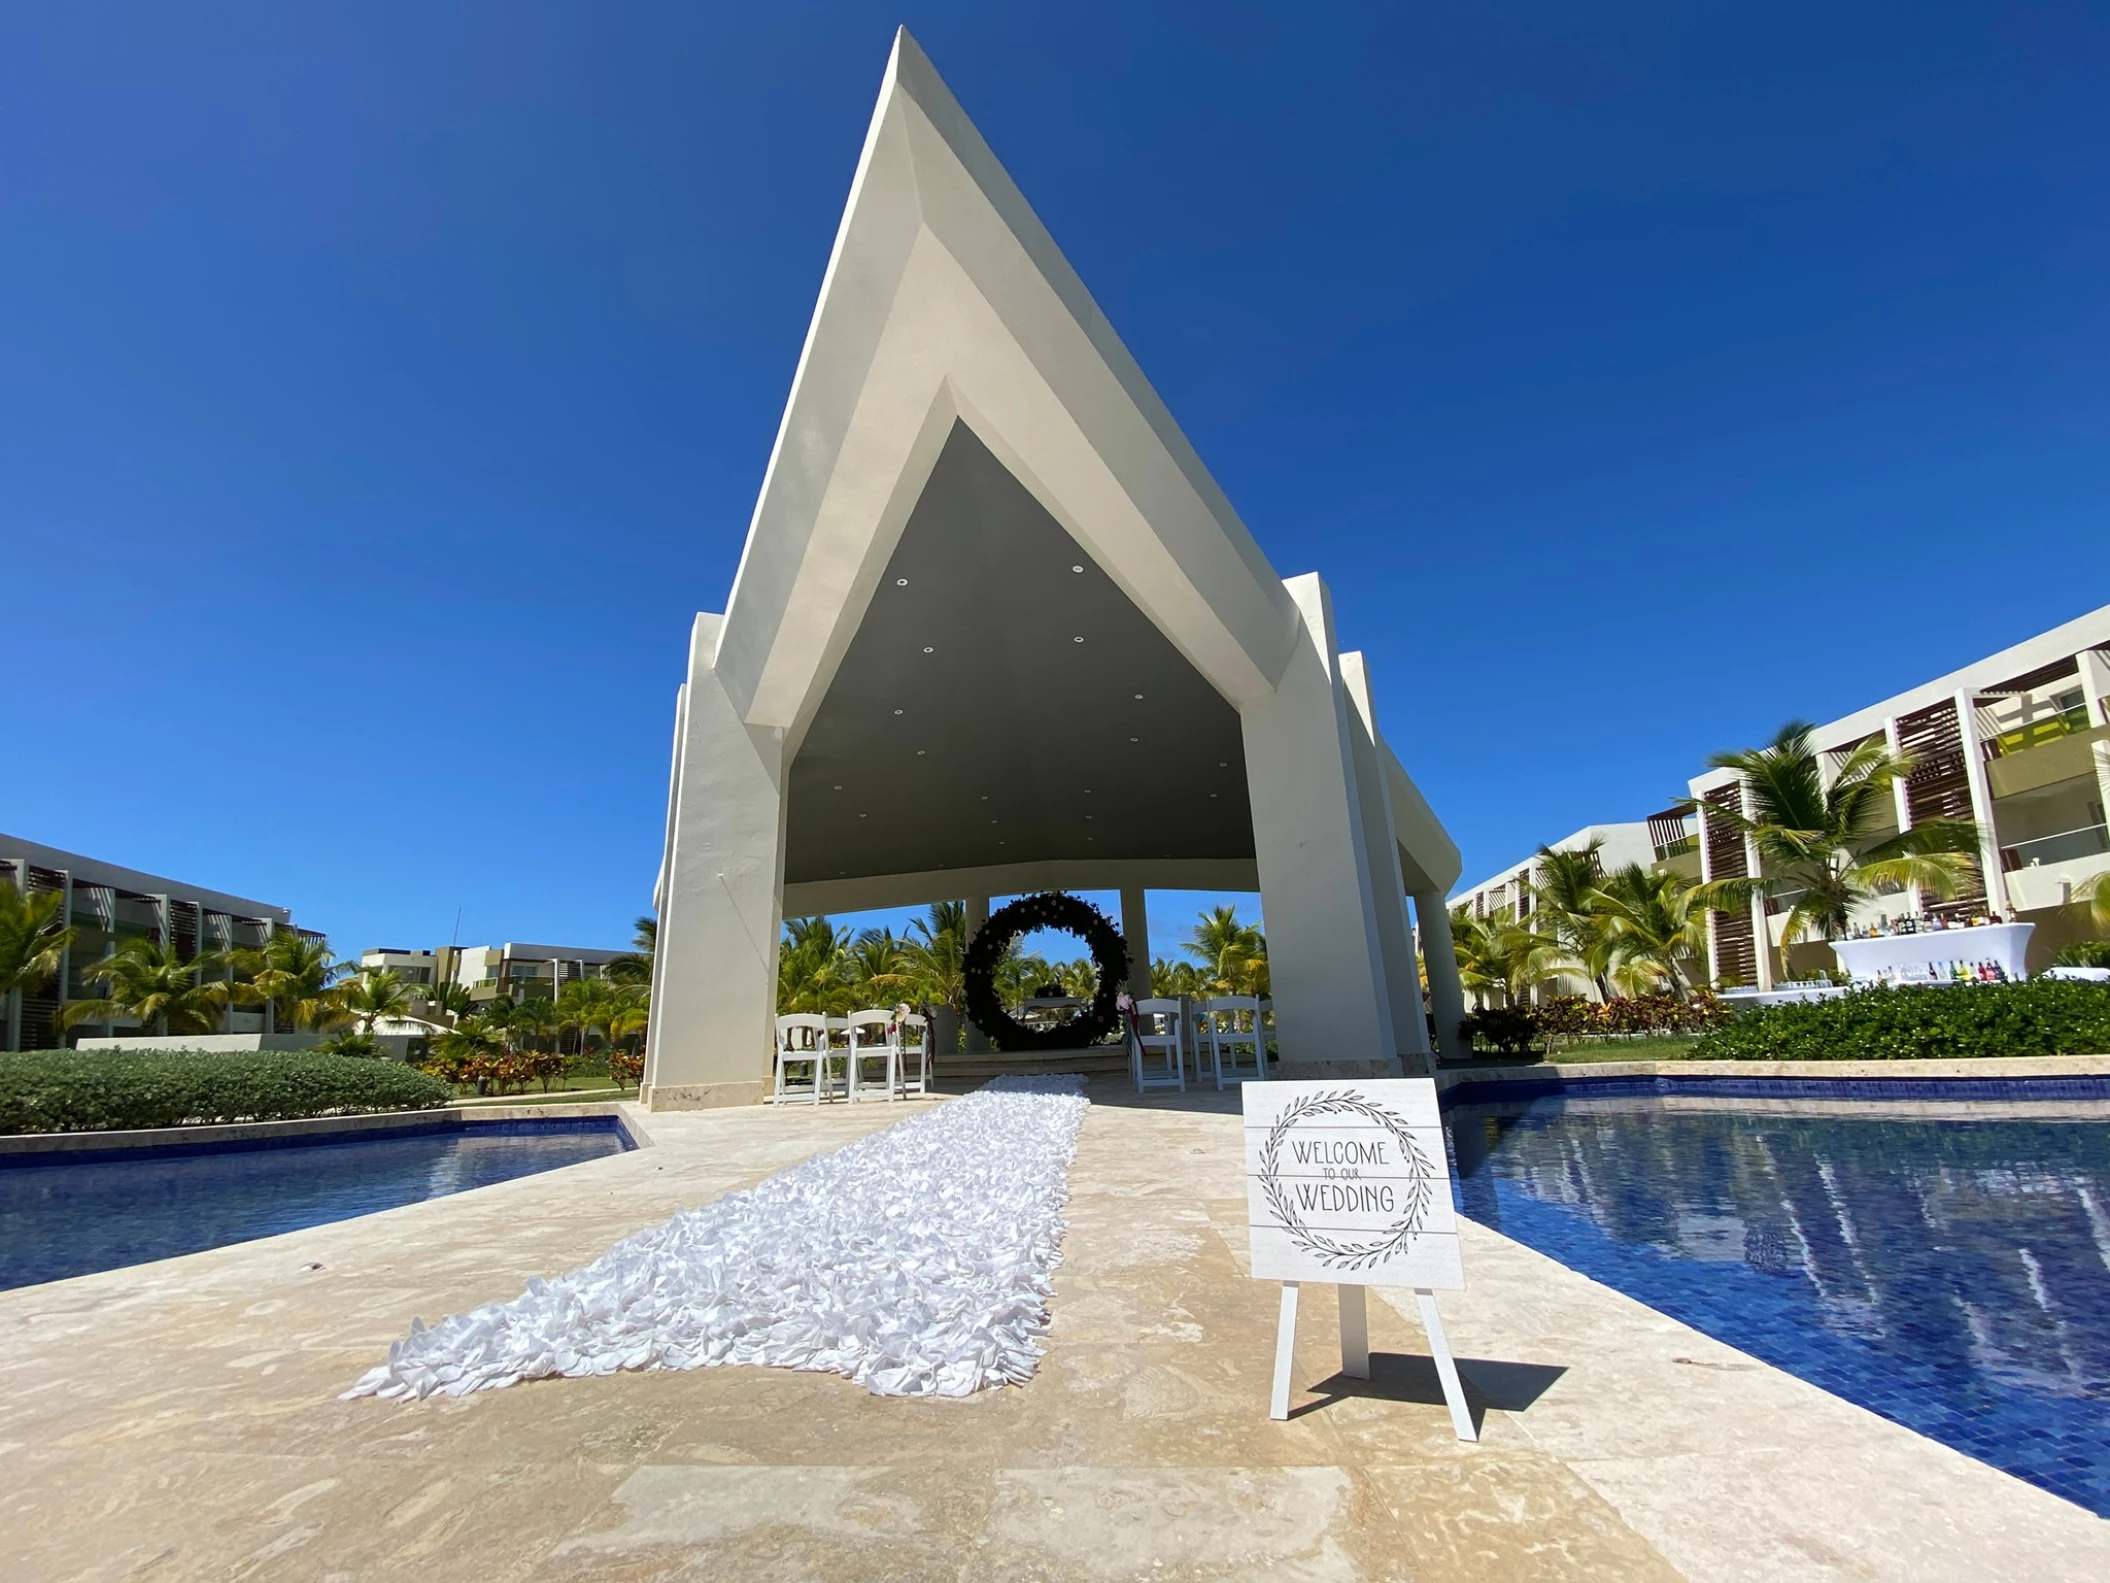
x=1087, y=817
x=921, y=751
x=985, y=796
x=1139, y=697
x=1223, y=764
x=864, y=816
x=1087, y=791
x=838, y=788
x=897, y=711
x=1212, y=794
x=1076, y=568
x=1135, y=739
x=1076, y=640
x=901, y=582
x=992, y=821
x=928, y=649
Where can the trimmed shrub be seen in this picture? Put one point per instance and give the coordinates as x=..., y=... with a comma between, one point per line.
x=1508, y=1029
x=86, y=1091
x=1922, y=1022
x=2084, y=953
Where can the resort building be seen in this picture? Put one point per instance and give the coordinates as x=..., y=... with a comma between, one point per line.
x=2019, y=742
x=107, y=904
x=514, y=969
x=1511, y=890
x=976, y=499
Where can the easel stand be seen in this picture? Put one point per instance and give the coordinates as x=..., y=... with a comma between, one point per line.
x=1355, y=1351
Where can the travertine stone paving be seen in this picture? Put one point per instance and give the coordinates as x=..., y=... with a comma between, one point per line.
x=180, y=1420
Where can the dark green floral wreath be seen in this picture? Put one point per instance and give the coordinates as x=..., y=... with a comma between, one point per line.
x=1052, y=909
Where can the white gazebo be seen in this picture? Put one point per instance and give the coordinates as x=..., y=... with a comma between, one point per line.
x=997, y=630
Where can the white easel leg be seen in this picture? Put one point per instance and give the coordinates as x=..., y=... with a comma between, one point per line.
x=1446, y=1370
x=1355, y=1333
x=1285, y=1351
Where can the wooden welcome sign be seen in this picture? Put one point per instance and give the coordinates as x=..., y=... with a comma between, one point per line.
x=1347, y=1182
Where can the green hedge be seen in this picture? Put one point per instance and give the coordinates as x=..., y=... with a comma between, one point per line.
x=1924, y=1022
x=86, y=1091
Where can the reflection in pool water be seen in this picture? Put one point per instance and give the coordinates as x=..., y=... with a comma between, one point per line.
x=1949, y=1271
x=72, y=1219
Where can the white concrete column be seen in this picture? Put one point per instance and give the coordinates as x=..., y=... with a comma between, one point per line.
x=1901, y=800
x=1332, y=1005
x=1388, y=891
x=1440, y=953
x=1761, y=929
x=714, y=979
x=1714, y=944
x=976, y=1041
x=1996, y=897
x=1135, y=929
x=2095, y=685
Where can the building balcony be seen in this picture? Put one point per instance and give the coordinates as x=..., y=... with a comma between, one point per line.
x=2068, y=753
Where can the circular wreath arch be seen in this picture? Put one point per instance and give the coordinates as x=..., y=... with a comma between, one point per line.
x=1051, y=909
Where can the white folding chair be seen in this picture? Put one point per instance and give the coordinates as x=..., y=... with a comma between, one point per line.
x=1156, y=1033
x=1237, y=1054
x=871, y=1034
x=912, y=1048
x=802, y=1040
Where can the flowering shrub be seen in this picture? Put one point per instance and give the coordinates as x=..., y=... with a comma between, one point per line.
x=1573, y=1017
x=1515, y=1030
x=626, y=1068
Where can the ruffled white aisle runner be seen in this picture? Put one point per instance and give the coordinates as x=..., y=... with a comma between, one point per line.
x=917, y=1261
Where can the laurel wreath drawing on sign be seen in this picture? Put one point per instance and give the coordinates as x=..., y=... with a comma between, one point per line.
x=1329, y=1250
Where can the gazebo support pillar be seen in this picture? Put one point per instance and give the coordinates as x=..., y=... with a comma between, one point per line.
x=1333, y=1015
x=714, y=977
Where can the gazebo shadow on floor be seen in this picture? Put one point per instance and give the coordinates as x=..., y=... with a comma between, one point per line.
x=1410, y=1377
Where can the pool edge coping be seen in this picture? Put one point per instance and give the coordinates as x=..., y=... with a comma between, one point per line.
x=34, y=1148
x=1958, y=1068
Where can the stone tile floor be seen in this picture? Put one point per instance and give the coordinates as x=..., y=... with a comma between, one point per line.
x=180, y=1420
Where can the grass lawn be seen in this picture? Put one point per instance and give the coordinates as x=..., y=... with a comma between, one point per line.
x=1668, y=1047
x=579, y=1085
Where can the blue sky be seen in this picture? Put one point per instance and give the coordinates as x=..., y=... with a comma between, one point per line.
x=383, y=388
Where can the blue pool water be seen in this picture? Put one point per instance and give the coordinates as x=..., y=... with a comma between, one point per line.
x=1952, y=1274
x=73, y=1219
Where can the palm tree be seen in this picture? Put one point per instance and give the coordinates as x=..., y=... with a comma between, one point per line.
x=1233, y=954
x=535, y=1018
x=932, y=960
x=296, y=974
x=634, y=966
x=811, y=972
x=1170, y=979
x=1653, y=921
x=1814, y=840
x=33, y=940
x=1499, y=956
x=874, y=963
x=581, y=1006
x=1079, y=978
x=157, y=987
x=629, y=1011
x=1018, y=976
x=373, y=996
x=1564, y=894
x=449, y=997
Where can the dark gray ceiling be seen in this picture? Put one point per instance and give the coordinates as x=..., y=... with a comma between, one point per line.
x=1010, y=741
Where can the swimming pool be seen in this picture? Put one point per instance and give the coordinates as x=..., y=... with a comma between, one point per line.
x=1943, y=1265
x=75, y=1218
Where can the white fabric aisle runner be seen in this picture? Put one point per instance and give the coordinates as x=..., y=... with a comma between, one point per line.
x=917, y=1261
